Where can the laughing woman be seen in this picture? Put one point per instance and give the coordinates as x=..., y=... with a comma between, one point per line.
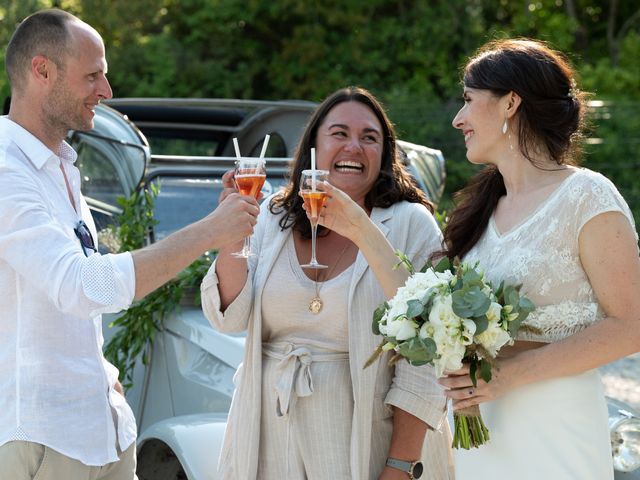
x=304, y=407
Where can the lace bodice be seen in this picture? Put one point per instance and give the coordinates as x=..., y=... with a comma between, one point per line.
x=541, y=253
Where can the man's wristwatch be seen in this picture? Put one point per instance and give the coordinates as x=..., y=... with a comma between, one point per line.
x=414, y=469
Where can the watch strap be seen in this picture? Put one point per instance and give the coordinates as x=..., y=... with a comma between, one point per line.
x=413, y=469
x=404, y=465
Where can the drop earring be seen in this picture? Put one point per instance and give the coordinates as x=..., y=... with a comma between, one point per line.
x=505, y=127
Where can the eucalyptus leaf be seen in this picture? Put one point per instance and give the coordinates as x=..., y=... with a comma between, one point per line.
x=418, y=351
x=482, y=323
x=471, y=277
x=428, y=296
x=473, y=368
x=470, y=302
x=443, y=265
x=485, y=370
x=526, y=305
x=499, y=291
x=511, y=296
x=414, y=308
x=377, y=316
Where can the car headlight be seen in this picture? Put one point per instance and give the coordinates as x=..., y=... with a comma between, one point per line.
x=624, y=428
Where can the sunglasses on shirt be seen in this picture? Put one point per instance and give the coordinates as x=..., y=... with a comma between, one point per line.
x=84, y=235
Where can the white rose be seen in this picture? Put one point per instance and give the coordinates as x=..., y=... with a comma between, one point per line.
x=493, y=314
x=493, y=338
x=450, y=358
x=396, y=310
x=421, y=281
x=468, y=330
x=427, y=330
x=444, y=277
x=407, y=330
x=402, y=329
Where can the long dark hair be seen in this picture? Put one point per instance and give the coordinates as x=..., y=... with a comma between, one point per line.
x=550, y=117
x=393, y=184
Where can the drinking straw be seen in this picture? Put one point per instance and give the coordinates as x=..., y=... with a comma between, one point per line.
x=236, y=147
x=313, y=169
x=264, y=145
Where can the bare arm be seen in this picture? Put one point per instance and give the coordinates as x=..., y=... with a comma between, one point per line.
x=347, y=218
x=609, y=256
x=158, y=263
x=406, y=441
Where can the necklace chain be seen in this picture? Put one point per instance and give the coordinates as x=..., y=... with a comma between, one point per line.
x=316, y=303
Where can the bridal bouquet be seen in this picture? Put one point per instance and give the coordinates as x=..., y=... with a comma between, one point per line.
x=445, y=315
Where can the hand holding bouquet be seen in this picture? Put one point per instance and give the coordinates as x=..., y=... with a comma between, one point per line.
x=447, y=314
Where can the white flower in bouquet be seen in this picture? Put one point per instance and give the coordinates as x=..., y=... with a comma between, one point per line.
x=445, y=315
x=402, y=329
x=493, y=338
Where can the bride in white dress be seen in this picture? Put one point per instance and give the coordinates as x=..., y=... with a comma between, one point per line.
x=564, y=233
x=530, y=217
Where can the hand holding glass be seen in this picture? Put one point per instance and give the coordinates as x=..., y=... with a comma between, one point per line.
x=250, y=175
x=314, y=198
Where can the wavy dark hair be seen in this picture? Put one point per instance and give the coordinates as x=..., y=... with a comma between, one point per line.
x=393, y=184
x=550, y=118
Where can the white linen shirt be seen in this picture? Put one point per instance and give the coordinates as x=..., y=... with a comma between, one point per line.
x=56, y=386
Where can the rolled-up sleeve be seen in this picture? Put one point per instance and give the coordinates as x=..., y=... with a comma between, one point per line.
x=236, y=316
x=109, y=280
x=416, y=391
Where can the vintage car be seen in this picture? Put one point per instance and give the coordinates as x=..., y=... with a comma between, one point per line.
x=182, y=393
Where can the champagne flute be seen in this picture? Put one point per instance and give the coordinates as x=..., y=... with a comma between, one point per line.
x=314, y=201
x=250, y=174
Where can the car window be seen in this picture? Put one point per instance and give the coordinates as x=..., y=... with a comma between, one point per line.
x=183, y=200
x=275, y=149
x=176, y=141
x=101, y=179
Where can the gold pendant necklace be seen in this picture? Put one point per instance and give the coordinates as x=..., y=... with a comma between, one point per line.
x=316, y=303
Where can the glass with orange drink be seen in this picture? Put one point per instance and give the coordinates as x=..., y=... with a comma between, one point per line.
x=250, y=174
x=314, y=197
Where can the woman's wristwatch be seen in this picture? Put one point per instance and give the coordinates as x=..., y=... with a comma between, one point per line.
x=413, y=469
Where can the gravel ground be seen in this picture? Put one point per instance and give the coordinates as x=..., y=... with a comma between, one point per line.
x=622, y=380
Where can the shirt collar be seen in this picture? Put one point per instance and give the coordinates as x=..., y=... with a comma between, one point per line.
x=36, y=151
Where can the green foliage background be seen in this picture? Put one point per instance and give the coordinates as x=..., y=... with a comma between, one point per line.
x=408, y=52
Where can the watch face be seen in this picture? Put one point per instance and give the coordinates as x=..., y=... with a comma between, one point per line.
x=417, y=470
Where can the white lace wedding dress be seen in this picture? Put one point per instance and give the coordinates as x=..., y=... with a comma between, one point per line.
x=555, y=429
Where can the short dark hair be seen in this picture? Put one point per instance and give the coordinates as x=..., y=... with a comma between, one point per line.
x=393, y=184
x=42, y=33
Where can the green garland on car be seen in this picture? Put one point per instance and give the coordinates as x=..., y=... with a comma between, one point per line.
x=138, y=325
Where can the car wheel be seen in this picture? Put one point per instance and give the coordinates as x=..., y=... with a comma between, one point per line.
x=156, y=461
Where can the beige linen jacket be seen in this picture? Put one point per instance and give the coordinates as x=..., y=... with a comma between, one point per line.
x=411, y=229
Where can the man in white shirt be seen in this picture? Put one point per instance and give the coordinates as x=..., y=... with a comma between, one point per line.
x=61, y=417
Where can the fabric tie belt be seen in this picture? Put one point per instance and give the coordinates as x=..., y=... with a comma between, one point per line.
x=294, y=372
